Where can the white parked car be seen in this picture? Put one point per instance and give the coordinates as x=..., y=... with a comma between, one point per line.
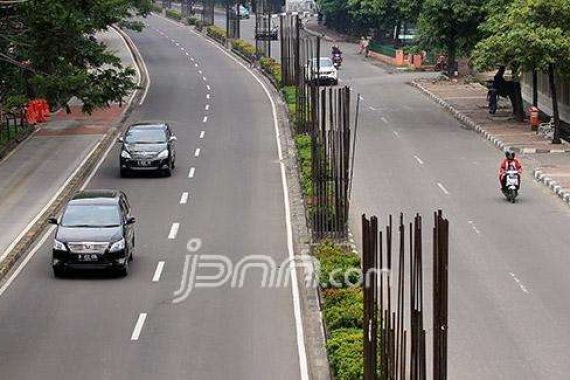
x=327, y=73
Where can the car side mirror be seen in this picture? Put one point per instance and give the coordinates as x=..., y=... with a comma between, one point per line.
x=131, y=220
x=121, y=140
x=52, y=221
x=173, y=138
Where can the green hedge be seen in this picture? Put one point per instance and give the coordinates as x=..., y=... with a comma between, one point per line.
x=388, y=50
x=217, y=33
x=345, y=354
x=245, y=48
x=157, y=8
x=173, y=14
x=192, y=20
x=272, y=67
x=339, y=266
x=343, y=309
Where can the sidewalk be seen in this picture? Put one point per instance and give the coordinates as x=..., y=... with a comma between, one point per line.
x=549, y=164
x=41, y=167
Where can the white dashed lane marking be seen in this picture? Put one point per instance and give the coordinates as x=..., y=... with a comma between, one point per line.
x=419, y=160
x=158, y=271
x=197, y=152
x=202, y=134
x=207, y=107
x=519, y=283
x=173, y=230
x=184, y=198
x=138, y=326
x=443, y=188
x=191, y=172
x=205, y=119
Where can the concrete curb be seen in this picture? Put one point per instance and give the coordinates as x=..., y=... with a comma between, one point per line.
x=467, y=121
x=38, y=226
x=561, y=192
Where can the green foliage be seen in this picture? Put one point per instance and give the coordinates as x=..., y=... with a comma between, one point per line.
x=192, y=20
x=339, y=266
x=217, y=33
x=343, y=308
x=451, y=25
x=245, y=48
x=174, y=14
x=15, y=102
x=530, y=34
x=62, y=56
x=304, y=150
x=272, y=67
x=344, y=349
x=156, y=8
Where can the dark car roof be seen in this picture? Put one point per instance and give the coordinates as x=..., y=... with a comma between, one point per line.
x=102, y=196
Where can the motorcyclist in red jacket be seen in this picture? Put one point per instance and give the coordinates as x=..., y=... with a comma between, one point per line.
x=509, y=162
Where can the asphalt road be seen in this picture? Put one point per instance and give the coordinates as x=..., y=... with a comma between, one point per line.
x=95, y=327
x=509, y=313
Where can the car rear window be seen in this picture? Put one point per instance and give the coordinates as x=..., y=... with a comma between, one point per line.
x=91, y=216
x=145, y=136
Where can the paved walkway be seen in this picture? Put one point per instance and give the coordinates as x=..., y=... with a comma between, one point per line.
x=39, y=167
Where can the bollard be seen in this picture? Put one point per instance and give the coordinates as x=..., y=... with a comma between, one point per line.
x=533, y=113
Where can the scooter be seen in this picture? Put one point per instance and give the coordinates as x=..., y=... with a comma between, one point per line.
x=337, y=60
x=511, y=190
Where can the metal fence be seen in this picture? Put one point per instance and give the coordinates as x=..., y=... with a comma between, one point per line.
x=263, y=28
x=393, y=318
x=13, y=127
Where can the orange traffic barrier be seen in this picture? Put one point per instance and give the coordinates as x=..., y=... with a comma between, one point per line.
x=534, y=119
x=31, y=116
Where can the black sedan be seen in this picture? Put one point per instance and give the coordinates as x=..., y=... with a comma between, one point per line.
x=147, y=147
x=95, y=232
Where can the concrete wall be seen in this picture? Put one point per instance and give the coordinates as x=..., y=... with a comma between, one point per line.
x=544, y=100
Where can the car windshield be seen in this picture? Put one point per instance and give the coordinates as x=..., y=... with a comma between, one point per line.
x=91, y=216
x=326, y=63
x=145, y=136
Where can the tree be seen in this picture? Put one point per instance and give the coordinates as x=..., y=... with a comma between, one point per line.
x=58, y=57
x=531, y=35
x=451, y=25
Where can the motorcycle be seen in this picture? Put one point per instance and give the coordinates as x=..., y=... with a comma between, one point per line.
x=337, y=60
x=511, y=190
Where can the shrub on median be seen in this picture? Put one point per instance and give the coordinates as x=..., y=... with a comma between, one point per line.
x=244, y=48
x=343, y=308
x=192, y=20
x=271, y=67
x=344, y=349
x=217, y=33
x=339, y=266
x=304, y=151
x=173, y=14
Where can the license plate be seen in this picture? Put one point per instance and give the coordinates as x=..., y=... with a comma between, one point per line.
x=144, y=163
x=87, y=258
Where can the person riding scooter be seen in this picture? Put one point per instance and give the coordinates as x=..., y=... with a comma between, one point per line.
x=509, y=163
x=336, y=56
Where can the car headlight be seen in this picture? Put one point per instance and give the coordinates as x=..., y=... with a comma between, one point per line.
x=59, y=246
x=117, y=246
x=125, y=154
x=162, y=155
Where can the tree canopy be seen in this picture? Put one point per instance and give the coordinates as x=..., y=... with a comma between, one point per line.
x=52, y=51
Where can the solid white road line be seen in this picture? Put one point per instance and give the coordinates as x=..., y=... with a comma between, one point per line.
x=36, y=248
x=202, y=134
x=197, y=152
x=207, y=107
x=205, y=119
x=419, y=160
x=173, y=230
x=158, y=271
x=443, y=188
x=184, y=198
x=191, y=172
x=302, y=352
x=519, y=283
x=138, y=326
